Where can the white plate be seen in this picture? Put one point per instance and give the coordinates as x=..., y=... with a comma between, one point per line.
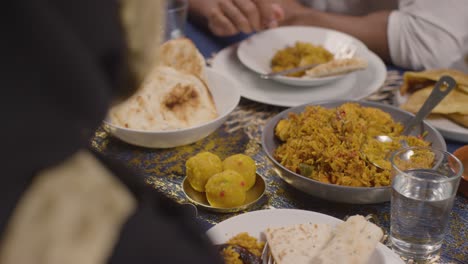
x=226, y=97
x=448, y=129
x=352, y=87
x=257, y=51
x=255, y=222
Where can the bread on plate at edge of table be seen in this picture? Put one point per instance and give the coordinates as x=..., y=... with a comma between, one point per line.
x=351, y=242
x=174, y=95
x=418, y=86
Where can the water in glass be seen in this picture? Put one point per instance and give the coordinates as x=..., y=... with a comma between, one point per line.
x=420, y=212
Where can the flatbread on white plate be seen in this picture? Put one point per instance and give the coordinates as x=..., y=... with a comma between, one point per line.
x=350, y=242
x=168, y=99
x=335, y=67
x=298, y=243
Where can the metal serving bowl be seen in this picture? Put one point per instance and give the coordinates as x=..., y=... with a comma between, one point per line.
x=332, y=192
x=253, y=196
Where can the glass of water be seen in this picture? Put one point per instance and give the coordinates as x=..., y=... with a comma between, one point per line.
x=176, y=18
x=424, y=185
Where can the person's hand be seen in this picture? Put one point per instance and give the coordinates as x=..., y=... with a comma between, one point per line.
x=229, y=17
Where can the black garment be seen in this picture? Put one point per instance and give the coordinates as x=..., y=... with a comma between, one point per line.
x=62, y=62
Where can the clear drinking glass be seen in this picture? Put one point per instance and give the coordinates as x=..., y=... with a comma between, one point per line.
x=176, y=18
x=424, y=185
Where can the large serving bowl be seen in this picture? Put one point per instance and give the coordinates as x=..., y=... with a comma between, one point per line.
x=226, y=97
x=332, y=192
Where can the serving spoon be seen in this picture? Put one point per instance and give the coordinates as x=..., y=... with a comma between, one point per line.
x=441, y=89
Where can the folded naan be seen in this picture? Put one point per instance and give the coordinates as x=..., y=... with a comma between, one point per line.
x=168, y=99
x=351, y=242
x=335, y=67
x=413, y=81
x=183, y=55
x=456, y=102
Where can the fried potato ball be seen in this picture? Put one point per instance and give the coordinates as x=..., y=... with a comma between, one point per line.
x=201, y=167
x=226, y=189
x=244, y=165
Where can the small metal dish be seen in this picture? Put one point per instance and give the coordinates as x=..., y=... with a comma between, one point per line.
x=253, y=196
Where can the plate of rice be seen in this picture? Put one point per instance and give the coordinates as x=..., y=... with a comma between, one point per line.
x=288, y=47
x=323, y=149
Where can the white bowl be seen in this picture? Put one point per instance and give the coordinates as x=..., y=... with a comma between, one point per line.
x=226, y=97
x=257, y=51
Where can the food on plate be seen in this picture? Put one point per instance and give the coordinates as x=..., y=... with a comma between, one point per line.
x=327, y=144
x=338, y=66
x=300, y=54
x=244, y=165
x=226, y=189
x=172, y=96
x=242, y=249
x=183, y=55
x=352, y=241
x=297, y=243
x=415, y=80
x=418, y=86
x=224, y=183
x=201, y=167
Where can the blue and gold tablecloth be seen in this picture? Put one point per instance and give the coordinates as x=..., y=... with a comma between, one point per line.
x=164, y=169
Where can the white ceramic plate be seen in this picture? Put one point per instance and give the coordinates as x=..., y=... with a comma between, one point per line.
x=255, y=222
x=352, y=87
x=257, y=51
x=446, y=127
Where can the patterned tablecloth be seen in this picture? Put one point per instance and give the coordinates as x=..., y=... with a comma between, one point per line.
x=164, y=169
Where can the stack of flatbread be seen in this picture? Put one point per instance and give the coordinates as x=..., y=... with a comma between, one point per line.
x=418, y=86
x=174, y=95
x=351, y=242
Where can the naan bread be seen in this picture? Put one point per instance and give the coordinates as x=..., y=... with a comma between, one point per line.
x=352, y=243
x=456, y=102
x=183, y=55
x=169, y=99
x=298, y=243
x=336, y=67
x=413, y=81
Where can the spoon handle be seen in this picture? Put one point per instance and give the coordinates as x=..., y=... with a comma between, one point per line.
x=441, y=89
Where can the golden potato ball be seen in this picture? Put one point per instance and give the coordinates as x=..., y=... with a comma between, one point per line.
x=225, y=189
x=244, y=165
x=201, y=167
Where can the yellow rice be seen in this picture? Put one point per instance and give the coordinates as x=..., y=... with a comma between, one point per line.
x=244, y=240
x=330, y=142
x=300, y=54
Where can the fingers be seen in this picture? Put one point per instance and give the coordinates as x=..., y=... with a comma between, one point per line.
x=267, y=17
x=235, y=15
x=220, y=25
x=251, y=12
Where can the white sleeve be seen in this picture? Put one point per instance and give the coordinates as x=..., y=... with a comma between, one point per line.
x=425, y=34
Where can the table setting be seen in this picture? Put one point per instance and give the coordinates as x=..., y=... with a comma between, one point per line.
x=256, y=117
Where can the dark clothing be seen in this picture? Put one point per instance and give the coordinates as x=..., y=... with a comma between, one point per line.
x=63, y=61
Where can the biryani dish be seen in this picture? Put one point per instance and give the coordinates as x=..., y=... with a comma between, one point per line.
x=300, y=54
x=335, y=145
